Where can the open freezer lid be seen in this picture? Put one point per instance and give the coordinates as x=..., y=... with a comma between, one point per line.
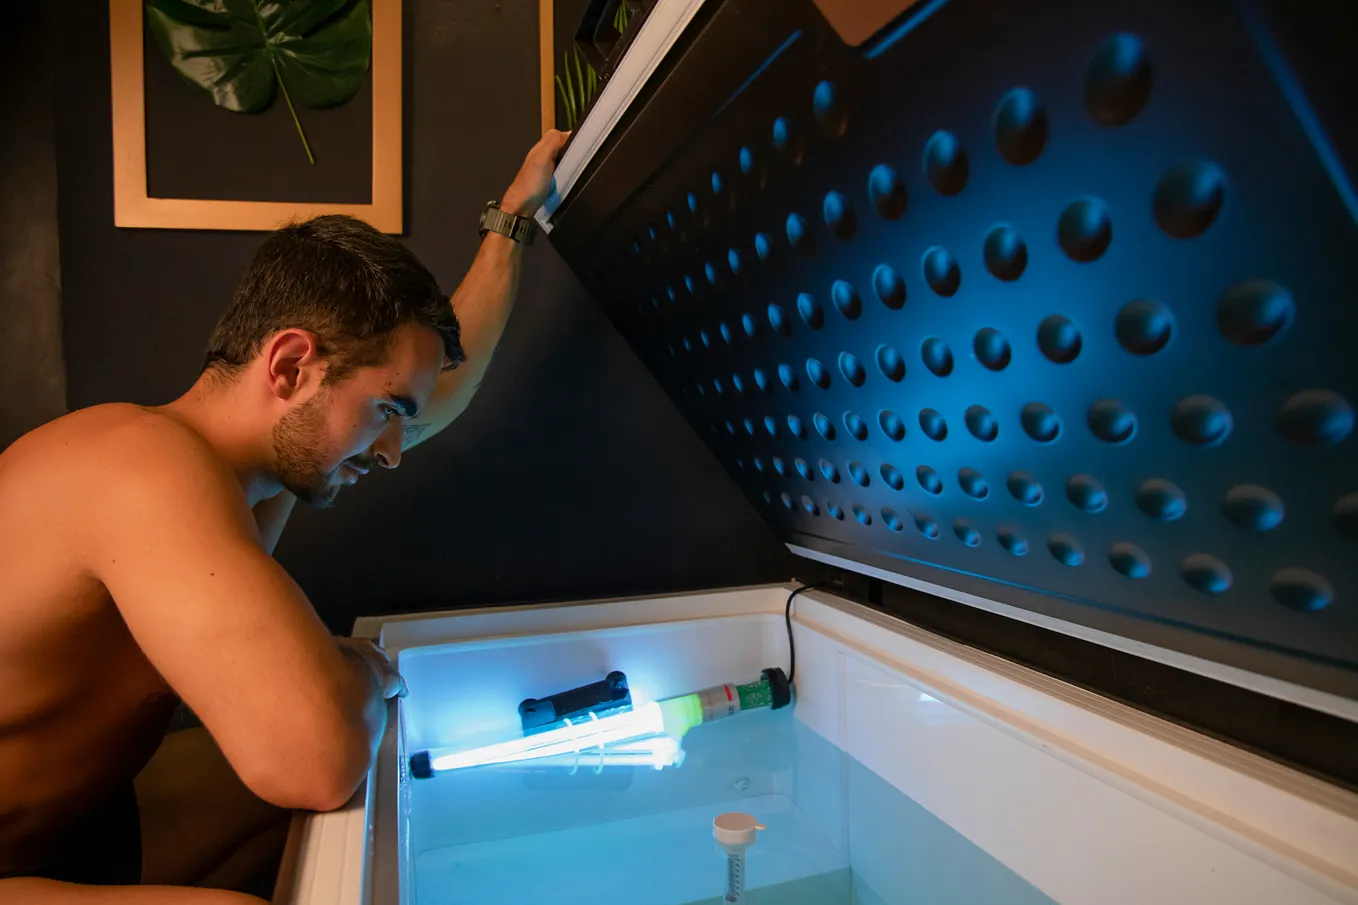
x=1043, y=309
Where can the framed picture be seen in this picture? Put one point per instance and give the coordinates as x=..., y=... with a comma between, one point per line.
x=570, y=81
x=546, y=56
x=306, y=141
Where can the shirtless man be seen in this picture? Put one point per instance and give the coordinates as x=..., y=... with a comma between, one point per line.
x=136, y=566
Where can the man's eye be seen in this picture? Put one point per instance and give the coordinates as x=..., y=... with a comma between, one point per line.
x=388, y=413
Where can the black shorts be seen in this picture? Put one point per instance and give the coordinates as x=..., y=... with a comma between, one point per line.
x=103, y=849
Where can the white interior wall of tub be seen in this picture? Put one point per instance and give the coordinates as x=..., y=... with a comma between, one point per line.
x=1088, y=800
x=397, y=633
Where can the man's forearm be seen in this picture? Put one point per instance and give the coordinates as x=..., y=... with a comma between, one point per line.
x=367, y=696
x=483, y=304
x=486, y=297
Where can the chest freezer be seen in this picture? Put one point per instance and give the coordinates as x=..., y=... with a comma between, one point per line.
x=908, y=769
x=1035, y=308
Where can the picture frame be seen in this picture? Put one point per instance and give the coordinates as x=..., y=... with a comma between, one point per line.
x=547, y=62
x=134, y=207
x=570, y=64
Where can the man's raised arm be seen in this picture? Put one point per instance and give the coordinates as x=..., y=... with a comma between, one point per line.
x=485, y=298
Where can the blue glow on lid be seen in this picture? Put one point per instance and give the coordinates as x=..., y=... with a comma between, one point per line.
x=829, y=470
x=782, y=133
x=778, y=318
x=817, y=373
x=823, y=99
x=763, y=246
x=835, y=208
x=824, y=426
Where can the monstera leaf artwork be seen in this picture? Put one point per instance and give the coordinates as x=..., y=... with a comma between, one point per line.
x=243, y=52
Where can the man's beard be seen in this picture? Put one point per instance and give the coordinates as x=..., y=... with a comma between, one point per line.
x=298, y=439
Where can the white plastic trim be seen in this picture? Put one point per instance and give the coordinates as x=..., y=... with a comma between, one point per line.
x=326, y=858
x=416, y=630
x=1325, y=702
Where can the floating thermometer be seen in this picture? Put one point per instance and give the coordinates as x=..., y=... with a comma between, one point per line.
x=735, y=832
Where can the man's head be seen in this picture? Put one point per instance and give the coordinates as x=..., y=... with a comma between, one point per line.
x=347, y=331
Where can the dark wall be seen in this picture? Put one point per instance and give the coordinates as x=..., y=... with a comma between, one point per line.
x=32, y=382
x=571, y=475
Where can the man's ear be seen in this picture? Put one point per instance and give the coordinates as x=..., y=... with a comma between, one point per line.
x=293, y=363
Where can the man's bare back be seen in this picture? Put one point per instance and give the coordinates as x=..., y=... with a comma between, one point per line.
x=84, y=710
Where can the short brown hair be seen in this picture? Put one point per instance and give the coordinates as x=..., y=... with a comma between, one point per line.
x=340, y=279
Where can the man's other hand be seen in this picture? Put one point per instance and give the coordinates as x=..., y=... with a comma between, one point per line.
x=534, y=182
x=369, y=652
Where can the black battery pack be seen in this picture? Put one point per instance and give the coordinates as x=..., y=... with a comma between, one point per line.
x=609, y=693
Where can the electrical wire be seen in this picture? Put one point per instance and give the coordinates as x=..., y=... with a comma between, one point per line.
x=787, y=616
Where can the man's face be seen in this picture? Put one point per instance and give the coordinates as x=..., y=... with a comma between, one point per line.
x=354, y=425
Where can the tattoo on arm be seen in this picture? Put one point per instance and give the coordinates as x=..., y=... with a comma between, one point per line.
x=413, y=432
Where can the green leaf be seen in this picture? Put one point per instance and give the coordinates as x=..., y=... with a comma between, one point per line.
x=573, y=115
x=565, y=102
x=236, y=49
x=239, y=51
x=575, y=94
x=580, y=84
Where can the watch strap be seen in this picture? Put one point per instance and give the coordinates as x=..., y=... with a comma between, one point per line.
x=520, y=229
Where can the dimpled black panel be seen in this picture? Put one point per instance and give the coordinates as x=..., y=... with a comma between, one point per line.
x=1059, y=298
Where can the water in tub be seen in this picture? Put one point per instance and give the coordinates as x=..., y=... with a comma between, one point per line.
x=560, y=834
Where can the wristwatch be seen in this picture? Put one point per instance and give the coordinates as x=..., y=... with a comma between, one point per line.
x=520, y=229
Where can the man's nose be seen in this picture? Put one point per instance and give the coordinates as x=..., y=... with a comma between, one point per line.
x=387, y=449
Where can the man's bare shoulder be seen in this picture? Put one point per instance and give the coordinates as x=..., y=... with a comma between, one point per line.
x=108, y=455
x=118, y=434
